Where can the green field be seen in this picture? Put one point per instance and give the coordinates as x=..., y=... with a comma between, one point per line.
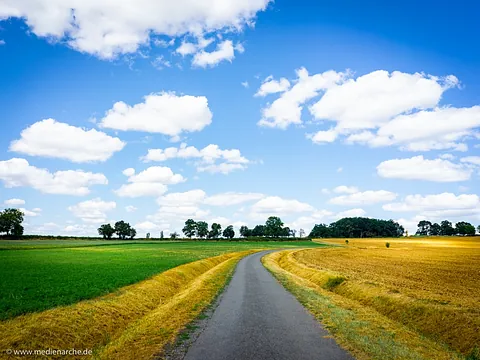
x=38, y=275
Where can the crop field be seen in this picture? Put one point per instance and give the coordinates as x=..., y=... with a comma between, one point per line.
x=416, y=299
x=35, y=278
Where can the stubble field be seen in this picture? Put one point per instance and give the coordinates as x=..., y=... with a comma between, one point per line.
x=422, y=294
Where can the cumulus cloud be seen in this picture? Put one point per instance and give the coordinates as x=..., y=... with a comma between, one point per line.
x=31, y=213
x=107, y=29
x=419, y=168
x=93, y=211
x=54, y=139
x=232, y=198
x=364, y=198
x=210, y=159
x=474, y=160
x=275, y=205
x=151, y=182
x=164, y=113
x=14, y=202
x=287, y=109
x=18, y=172
x=271, y=86
x=225, y=52
x=130, y=208
x=437, y=206
x=343, y=189
x=350, y=213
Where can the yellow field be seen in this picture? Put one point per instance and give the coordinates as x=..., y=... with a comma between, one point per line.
x=136, y=322
x=428, y=286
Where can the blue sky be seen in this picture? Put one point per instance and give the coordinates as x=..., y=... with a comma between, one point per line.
x=238, y=110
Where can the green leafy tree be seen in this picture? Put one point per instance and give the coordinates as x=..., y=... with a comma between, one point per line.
x=173, y=235
x=446, y=228
x=122, y=229
x=320, y=231
x=274, y=227
x=215, y=232
x=258, y=230
x=229, y=232
x=190, y=228
x=106, y=230
x=11, y=221
x=435, y=230
x=132, y=233
x=161, y=234
x=478, y=229
x=424, y=227
x=202, y=229
x=464, y=228
x=17, y=230
x=245, y=231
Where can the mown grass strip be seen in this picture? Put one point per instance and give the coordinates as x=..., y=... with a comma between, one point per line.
x=152, y=312
x=359, y=329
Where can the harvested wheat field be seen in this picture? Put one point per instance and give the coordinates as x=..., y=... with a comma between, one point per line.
x=427, y=287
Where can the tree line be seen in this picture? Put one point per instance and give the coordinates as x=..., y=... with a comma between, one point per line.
x=11, y=222
x=273, y=228
x=445, y=228
x=358, y=227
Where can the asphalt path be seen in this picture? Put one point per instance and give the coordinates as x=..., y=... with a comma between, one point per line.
x=257, y=318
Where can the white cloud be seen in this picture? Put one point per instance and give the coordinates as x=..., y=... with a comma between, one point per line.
x=272, y=205
x=418, y=168
x=93, y=211
x=14, y=202
x=130, y=208
x=232, y=198
x=160, y=62
x=31, y=213
x=327, y=136
x=447, y=157
x=340, y=169
x=475, y=160
x=107, y=29
x=245, y=84
x=438, y=206
x=129, y=172
x=50, y=138
x=2, y=42
x=364, y=198
x=211, y=158
x=149, y=226
x=225, y=51
x=350, y=213
x=18, y=172
x=287, y=109
x=187, y=198
x=152, y=181
x=375, y=98
x=271, y=86
x=343, y=189
x=164, y=113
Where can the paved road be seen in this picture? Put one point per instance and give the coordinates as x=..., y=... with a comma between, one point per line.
x=258, y=319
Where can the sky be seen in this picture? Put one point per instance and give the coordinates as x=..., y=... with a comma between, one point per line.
x=232, y=111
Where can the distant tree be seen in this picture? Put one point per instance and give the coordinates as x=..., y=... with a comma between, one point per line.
x=258, y=230
x=245, y=231
x=202, y=229
x=229, y=232
x=464, y=228
x=435, y=230
x=446, y=228
x=320, y=231
x=190, y=228
x=301, y=233
x=293, y=232
x=274, y=227
x=11, y=220
x=215, y=231
x=173, y=235
x=122, y=229
x=132, y=233
x=106, y=230
x=424, y=227
x=161, y=234
x=286, y=231
x=148, y=236
x=478, y=229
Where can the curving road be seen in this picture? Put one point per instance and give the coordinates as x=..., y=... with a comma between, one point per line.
x=258, y=319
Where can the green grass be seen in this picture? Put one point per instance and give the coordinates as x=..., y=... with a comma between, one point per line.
x=33, y=278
